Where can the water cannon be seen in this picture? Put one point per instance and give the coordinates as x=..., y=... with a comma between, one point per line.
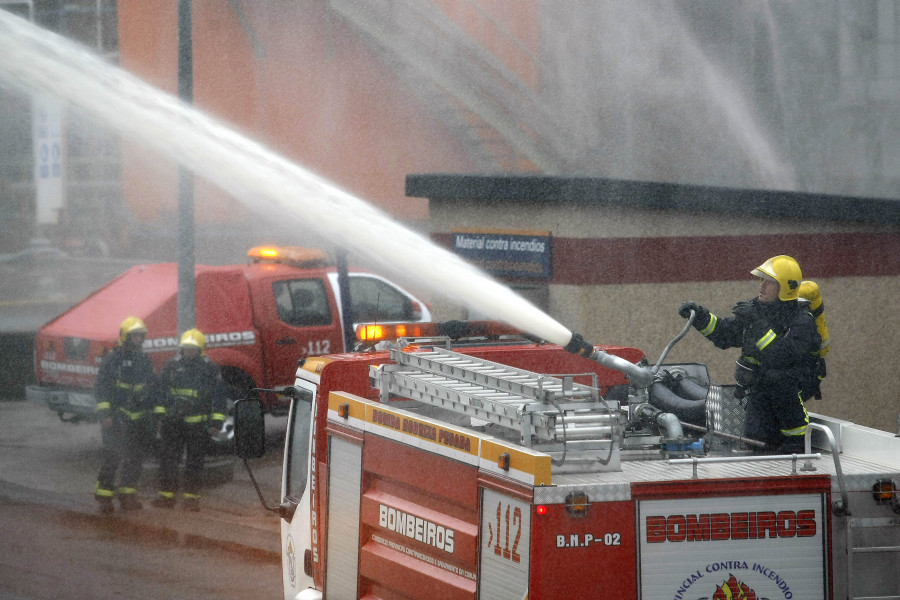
x=641, y=376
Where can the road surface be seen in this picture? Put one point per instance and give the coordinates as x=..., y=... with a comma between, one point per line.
x=48, y=553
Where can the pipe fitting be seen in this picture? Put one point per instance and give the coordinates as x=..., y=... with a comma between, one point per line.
x=578, y=346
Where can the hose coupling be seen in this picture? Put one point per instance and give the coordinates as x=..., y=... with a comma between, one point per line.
x=578, y=346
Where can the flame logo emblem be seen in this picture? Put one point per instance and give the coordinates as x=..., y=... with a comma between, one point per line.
x=734, y=590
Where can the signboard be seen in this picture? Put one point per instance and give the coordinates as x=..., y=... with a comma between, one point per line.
x=737, y=547
x=511, y=254
x=48, y=157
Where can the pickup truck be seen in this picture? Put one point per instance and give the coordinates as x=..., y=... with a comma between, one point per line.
x=259, y=320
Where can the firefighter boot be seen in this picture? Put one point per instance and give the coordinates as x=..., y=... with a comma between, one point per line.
x=105, y=505
x=129, y=502
x=164, y=500
x=191, y=502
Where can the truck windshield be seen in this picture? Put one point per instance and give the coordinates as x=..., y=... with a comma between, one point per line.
x=298, y=447
x=373, y=300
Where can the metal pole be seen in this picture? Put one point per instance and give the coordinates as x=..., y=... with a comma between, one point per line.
x=346, y=312
x=186, y=289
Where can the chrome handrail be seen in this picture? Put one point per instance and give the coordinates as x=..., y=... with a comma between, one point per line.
x=841, y=507
x=695, y=461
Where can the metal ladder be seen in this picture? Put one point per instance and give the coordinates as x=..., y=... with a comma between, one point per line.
x=546, y=410
x=861, y=550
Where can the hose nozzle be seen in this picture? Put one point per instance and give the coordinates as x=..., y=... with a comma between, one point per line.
x=578, y=346
x=640, y=376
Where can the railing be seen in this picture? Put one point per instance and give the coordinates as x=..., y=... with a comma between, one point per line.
x=841, y=507
x=696, y=461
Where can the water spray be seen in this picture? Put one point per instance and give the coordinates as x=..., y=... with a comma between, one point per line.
x=37, y=61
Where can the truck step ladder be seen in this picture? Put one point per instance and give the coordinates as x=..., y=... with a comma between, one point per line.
x=552, y=413
x=857, y=553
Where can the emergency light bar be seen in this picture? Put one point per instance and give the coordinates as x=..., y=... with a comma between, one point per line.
x=290, y=255
x=372, y=333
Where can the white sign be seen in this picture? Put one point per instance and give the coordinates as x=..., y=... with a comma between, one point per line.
x=758, y=546
x=48, y=157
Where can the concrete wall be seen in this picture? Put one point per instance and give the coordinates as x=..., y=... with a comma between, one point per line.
x=670, y=256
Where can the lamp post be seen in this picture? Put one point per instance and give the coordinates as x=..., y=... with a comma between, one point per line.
x=186, y=288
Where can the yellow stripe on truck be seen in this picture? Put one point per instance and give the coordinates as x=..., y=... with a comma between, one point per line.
x=423, y=429
x=356, y=405
x=525, y=465
x=522, y=460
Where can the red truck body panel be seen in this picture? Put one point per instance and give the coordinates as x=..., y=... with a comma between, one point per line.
x=396, y=476
x=566, y=569
x=443, y=496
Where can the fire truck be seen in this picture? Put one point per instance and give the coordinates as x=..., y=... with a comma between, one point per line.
x=467, y=462
x=259, y=318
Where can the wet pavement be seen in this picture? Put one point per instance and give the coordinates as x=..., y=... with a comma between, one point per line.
x=48, y=462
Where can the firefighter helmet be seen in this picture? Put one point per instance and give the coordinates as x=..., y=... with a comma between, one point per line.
x=131, y=325
x=193, y=338
x=785, y=271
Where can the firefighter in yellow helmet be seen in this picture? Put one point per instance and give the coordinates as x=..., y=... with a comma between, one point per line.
x=190, y=407
x=779, y=345
x=123, y=390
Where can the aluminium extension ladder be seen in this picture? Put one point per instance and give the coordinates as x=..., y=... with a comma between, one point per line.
x=552, y=414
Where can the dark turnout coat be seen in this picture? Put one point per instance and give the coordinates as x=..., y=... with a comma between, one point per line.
x=779, y=346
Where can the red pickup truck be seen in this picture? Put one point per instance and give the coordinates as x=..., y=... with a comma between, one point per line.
x=259, y=320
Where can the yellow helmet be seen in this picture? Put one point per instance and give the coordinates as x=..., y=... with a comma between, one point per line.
x=193, y=338
x=785, y=271
x=131, y=325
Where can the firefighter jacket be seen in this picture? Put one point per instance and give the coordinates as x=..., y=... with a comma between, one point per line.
x=779, y=345
x=125, y=383
x=192, y=392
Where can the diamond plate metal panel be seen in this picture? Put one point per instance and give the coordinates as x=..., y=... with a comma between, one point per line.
x=724, y=413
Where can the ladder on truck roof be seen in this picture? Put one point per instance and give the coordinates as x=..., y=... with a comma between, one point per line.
x=553, y=414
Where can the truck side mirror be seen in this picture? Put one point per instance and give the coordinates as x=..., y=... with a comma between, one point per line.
x=249, y=429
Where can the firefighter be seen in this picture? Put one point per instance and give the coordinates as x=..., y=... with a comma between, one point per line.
x=124, y=384
x=779, y=346
x=190, y=407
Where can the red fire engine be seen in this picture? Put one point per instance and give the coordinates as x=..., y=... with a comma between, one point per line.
x=507, y=468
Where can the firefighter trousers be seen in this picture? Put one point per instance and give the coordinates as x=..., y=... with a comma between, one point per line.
x=177, y=438
x=779, y=421
x=124, y=445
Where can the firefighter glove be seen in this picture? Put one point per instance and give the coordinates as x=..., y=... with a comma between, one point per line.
x=745, y=311
x=702, y=318
x=746, y=372
x=816, y=384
